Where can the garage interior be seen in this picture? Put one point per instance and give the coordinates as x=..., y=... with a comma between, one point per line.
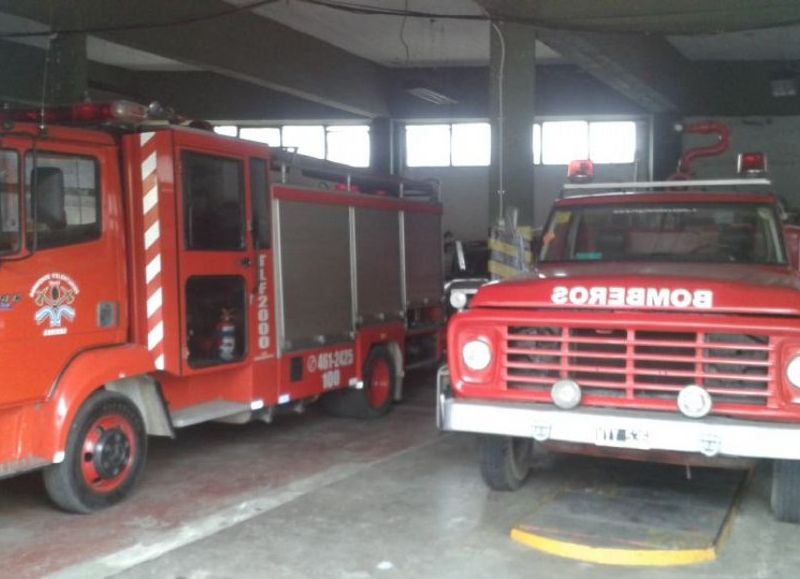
x=489, y=100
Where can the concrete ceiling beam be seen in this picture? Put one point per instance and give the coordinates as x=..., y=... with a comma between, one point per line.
x=649, y=16
x=240, y=46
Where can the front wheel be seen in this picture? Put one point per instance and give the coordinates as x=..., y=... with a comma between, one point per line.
x=786, y=490
x=505, y=461
x=105, y=454
x=374, y=399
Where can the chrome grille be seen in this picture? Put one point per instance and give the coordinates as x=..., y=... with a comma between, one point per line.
x=736, y=368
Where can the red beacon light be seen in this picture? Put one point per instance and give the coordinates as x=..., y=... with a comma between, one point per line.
x=580, y=171
x=116, y=112
x=752, y=164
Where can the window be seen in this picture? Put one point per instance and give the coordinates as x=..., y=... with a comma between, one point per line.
x=268, y=135
x=213, y=203
x=456, y=145
x=612, y=142
x=9, y=202
x=215, y=320
x=348, y=145
x=428, y=145
x=668, y=232
x=227, y=130
x=261, y=207
x=559, y=142
x=471, y=145
x=67, y=200
x=307, y=139
x=564, y=141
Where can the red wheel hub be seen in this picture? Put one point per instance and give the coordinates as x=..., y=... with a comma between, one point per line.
x=379, y=384
x=108, y=453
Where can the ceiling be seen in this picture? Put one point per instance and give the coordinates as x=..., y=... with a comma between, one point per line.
x=430, y=42
x=97, y=49
x=413, y=42
x=782, y=43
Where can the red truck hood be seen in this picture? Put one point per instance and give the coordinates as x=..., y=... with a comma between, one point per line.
x=686, y=287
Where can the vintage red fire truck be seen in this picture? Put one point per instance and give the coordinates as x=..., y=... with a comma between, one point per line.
x=661, y=322
x=153, y=277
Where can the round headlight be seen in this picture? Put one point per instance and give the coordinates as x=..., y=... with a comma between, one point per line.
x=694, y=401
x=566, y=394
x=458, y=299
x=477, y=354
x=793, y=371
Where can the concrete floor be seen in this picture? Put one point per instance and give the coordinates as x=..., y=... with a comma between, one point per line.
x=312, y=496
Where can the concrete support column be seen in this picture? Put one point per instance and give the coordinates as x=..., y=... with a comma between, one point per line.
x=513, y=59
x=381, y=145
x=667, y=145
x=67, y=69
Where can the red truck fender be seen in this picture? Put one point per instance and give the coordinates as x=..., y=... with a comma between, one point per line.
x=124, y=369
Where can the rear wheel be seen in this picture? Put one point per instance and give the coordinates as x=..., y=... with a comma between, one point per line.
x=505, y=461
x=375, y=398
x=786, y=490
x=106, y=449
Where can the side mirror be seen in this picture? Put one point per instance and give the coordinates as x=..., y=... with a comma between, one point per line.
x=791, y=234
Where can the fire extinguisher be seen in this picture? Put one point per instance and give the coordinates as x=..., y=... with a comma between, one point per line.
x=226, y=335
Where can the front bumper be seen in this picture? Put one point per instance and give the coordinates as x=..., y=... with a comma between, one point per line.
x=710, y=436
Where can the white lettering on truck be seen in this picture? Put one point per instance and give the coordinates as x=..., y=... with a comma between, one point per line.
x=632, y=297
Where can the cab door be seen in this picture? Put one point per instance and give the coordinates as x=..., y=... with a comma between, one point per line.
x=215, y=263
x=61, y=291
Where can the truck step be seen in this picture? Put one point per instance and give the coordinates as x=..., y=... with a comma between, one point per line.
x=207, y=411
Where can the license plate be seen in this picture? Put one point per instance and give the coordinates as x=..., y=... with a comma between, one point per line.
x=622, y=437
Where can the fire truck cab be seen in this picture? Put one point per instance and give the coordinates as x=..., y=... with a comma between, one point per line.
x=153, y=277
x=661, y=322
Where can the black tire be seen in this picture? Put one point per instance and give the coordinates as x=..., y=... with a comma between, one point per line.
x=785, y=497
x=380, y=373
x=85, y=482
x=505, y=461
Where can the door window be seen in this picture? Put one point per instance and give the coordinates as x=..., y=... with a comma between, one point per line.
x=67, y=199
x=215, y=319
x=213, y=203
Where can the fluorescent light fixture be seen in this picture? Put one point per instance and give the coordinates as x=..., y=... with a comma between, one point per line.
x=430, y=95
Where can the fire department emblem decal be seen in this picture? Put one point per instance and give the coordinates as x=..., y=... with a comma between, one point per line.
x=54, y=294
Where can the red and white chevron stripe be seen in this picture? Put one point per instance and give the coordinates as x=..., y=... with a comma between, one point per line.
x=152, y=250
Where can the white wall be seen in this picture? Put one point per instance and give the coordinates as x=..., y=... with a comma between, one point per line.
x=778, y=137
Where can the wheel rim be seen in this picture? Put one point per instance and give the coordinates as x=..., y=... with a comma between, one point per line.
x=520, y=448
x=108, y=453
x=379, y=385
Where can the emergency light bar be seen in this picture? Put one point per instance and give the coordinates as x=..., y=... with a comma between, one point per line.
x=752, y=164
x=580, y=171
x=84, y=113
x=643, y=185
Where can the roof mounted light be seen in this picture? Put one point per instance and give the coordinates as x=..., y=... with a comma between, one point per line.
x=752, y=164
x=115, y=112
x=580, y=171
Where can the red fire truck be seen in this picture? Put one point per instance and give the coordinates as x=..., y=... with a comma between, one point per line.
x=153, y=277
x=662, y=322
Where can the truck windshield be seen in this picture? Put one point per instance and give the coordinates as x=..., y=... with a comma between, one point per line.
x=9, y=202
x=684, y=232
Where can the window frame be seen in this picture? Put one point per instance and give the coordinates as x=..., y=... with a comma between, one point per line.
x=636, y=121
x=449, y=125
